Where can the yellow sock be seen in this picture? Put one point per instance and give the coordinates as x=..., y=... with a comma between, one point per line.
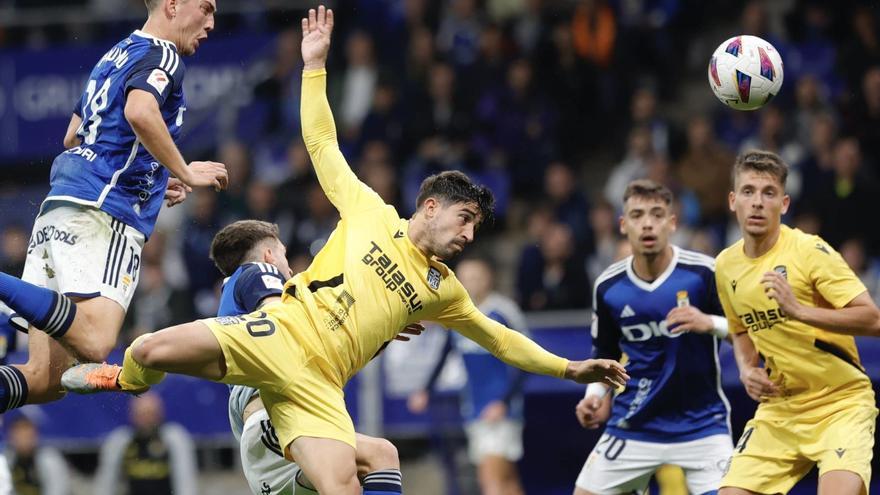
x=134, y=375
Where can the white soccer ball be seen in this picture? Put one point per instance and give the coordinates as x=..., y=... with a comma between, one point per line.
x=745, y=72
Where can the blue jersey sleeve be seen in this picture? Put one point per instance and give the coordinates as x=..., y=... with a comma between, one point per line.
x=604, y=330
x=257, y=282
x=159, y=72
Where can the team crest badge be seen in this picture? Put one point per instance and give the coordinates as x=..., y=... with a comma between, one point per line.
x=434, y=278
x=780, y=269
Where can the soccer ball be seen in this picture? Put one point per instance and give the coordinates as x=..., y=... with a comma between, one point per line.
x=745, y=72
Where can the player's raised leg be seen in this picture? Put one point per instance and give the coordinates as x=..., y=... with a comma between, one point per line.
x=378, y=465
x=188, y=349
x=329, y=464
x=840, y=482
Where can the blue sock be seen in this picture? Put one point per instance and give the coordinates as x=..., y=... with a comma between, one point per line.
x=13, y=388
x=384, y=482
x=46, y=309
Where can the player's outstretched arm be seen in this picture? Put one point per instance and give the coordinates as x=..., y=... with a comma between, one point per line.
x=340, y=184
x=143, y=113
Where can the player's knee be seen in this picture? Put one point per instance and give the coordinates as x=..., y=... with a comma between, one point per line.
x=95, y=351
x=374, y=454
x=386, y=455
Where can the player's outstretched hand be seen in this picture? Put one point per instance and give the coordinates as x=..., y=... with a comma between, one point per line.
x=605, y=371
x=415, y=329
x=207, y=174
x=592, y=412
x=758, y=384
x=316, y=28
x=176, y=192
x=688, y=319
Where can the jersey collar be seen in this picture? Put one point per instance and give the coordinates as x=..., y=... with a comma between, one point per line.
x=659, y=280
x=138, y=32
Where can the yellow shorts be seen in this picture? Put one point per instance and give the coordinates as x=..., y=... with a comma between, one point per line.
x=773, y=455
x=261, y=351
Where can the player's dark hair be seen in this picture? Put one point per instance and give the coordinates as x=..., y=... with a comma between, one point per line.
x=765, y=162
x=236, y=240
x=452, y=187
x=647, y=189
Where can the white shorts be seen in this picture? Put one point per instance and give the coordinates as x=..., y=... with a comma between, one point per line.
x=500, y=438
x=619, y=466
x=84, y=252
x=265, y=468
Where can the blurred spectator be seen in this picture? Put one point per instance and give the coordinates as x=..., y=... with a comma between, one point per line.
x=558, y=280
x=150, y=457
x=292, y=192
x=606, y=227
x=439, y=111
x=236, y=156
x=528, y=28
x=492, y=396
x=705, y=169
x=376, y=170
x=853, y=252
x=384, y=122
x=594, y=32
x=773, y=135
x=516, y=123
x=634, y=165
x=203, y=223
x=358, y=80
x=813, y=52
x=817, y=166
x=156, y=304
x=310, y=234
x=862, y=51
x=864, y=117
x=279, y=92
x=15, y=247
x=36, y=469
x=459, y=32
x=842, y=202
x=643, y=113
x=570, y=206
x=812, y=101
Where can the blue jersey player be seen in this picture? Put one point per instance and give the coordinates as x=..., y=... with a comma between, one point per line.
x=106, y=190
x=658, y=307
x=254, y=260
x=492, y=397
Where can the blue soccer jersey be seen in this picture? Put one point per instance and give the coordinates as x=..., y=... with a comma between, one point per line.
x=110, y=169
x=674, y=393
x=243, y=292
x=488, y=378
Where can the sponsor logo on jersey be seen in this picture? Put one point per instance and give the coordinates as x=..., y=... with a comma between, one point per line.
x=641, y=332
x=434, y=278
x=393, y=278
x=762, y=320
x=116, y=56
x=84, y=152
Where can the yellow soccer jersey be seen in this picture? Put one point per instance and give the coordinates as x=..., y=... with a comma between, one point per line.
x=370, y=280
x=814, y=367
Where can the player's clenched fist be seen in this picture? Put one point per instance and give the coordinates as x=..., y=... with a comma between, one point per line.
x=316, y=28
x=605, y=371
x=592, y=412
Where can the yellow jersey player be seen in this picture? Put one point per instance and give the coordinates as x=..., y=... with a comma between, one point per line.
x=792, y=300
x=376, y=274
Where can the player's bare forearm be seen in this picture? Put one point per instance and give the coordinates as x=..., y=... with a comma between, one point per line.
x=744, y=351
x=71, y=140
x=859, y=317
x=142, y=112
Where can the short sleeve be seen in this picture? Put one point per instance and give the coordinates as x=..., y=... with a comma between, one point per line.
x=158, y=72
x=257, y=282
x=830, y=273
x=604, y=330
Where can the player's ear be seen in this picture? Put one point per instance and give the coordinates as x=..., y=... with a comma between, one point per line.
x=731, y=201
x=673, y=222
x=786, y=202
x=621, y=225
